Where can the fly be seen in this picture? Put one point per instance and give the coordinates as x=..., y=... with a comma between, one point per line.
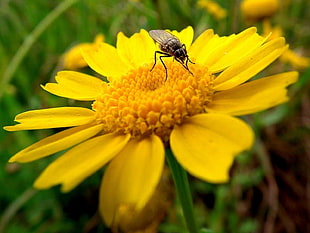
x=170, y=46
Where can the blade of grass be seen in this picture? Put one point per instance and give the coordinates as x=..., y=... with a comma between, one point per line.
x=11, y=211
x=29, y=41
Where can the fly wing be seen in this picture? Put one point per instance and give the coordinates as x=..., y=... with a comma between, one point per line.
x=161, y=36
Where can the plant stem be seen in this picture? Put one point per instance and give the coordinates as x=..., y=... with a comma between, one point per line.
x=182, y=187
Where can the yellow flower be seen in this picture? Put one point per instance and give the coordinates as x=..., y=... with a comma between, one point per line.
x=73, y=58
x=259, y=9
x=213, y=8
x=146, y=220
x=139, y=113
x=297, y=61
x=289, y=56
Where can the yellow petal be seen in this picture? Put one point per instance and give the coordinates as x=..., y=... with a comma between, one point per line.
x=253, y=96
x=56, y=142
x=52, y=118
x=212, y=8
x=250, y=65
x=73, y=59
x=130, y=219
x=185, y=36
x=131, y=177
x=200, y=43
x=234, y=50
x=206, y=144
x=74, y=166
x=295, y=59
x=105, y=61
x=256, y=10
x=75, y=85
x=205, y=44
x=136, y=50
x=99, y=38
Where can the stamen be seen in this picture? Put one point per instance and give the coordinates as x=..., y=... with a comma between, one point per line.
x=143, y=102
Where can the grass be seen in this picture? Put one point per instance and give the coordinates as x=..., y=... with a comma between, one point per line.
x=267, y=190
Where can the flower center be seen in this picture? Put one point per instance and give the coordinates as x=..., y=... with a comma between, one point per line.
x=143, y=102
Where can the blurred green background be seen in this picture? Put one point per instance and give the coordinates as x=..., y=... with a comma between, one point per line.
x=269, y=189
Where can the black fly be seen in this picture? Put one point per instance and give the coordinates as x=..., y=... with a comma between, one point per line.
x=170, y=46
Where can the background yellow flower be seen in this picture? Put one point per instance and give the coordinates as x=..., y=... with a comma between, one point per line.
x=213, y=8
x=289, y=56
x=254, y=10
x=73, y=59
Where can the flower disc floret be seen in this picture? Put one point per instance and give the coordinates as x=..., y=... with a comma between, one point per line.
x=142, y=102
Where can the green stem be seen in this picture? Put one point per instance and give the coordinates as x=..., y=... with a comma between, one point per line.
x=182, y=186
x=12, y=209
x=29, y=41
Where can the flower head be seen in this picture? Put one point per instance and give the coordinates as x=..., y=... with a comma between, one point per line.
x=138, y=113
x=73, y=58
x=213, y=8
x=254, y=10
x=289, y=56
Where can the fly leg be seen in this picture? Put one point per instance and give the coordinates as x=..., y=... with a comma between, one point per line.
x=160, y=58
x=187, y=60
x=185, y=66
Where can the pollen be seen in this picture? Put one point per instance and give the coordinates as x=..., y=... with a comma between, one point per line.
x=143, y=102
